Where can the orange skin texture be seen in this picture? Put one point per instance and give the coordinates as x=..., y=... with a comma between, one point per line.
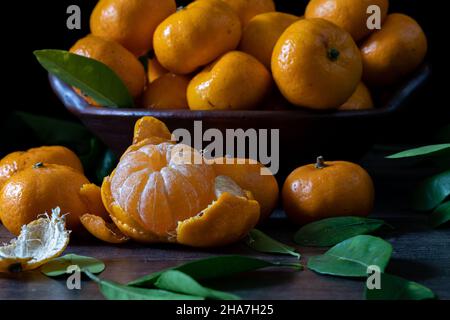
x=236, y=81
x=131, y=23
x=262, y=33
x=340, y=189
x=196, y=35
x=166, y=92
x=102, y=230
x=248, y=176
x=36, y=190
x=393, y=52
x=155, y=70
x=304, y=68
x=227, y=221
x=350, y=15
x=20, y=160
x=247, y=9
x=361, y=99
x=120, y=60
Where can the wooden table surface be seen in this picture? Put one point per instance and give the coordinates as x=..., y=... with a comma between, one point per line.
x=420, y=253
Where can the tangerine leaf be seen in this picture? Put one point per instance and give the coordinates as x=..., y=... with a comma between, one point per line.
x=58, y=266
x=116, y=291
x=397, y=288
x=352, y=257
x=331, y=231
x=180, y=282
x=441, y=215
x=422, y=151
x=214, y=267
x=432, y=192
x=92, y=77
x=261, y=242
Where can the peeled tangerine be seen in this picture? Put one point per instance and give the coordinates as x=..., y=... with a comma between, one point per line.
x=38, y=242
x=166, y=192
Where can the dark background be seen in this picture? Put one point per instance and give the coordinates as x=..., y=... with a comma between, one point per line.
x=32, y=25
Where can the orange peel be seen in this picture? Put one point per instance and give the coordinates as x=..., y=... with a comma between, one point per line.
x=102, y=230
x=39, y=241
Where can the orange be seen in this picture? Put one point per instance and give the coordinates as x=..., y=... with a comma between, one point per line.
x=236, y=81
x=20, y=160
x=120, y=60
x=247, y=9
x=316, y=64
x=166, y=92
x=155, y=70
x=254, y=177
x=196, y=35
x=130, y=22
x=393, y=52
x=262, y=33
x=159, y=193
x=350, y=15
x=361, y=99
x=327, y=189
x=42, y=187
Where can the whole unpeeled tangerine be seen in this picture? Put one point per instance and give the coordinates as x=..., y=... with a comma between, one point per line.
x=316, y=64
x=130, y=22
x=42, y=187
x=327, y=189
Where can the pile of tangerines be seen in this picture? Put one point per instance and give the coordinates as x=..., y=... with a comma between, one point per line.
x=241, y=54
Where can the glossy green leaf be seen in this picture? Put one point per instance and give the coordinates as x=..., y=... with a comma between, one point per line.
x=92, y=77
x=177, y=281
x=58, y=266
x=214, y=267
x=396, y=288
x=351, y=257
x=115, y=291
x=261, y=242
x=106, y=166
x=422, y=151
x=441, y=215
x=432, y=192
x=328, y=232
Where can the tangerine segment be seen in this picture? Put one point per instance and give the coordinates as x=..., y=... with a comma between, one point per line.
x=103, y=230
x=148, y=127
x=125, y=222
x=226, y=221
x=158, y=189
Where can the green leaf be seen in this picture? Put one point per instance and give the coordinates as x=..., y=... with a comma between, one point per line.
x=441, y=215
x=261, y=242
x=351, y=257
x=422, y=151
x=432, y=192
x=58, y=266
x=328, y=232
x=92, y=77
x=396, y=288
x=214, y=267
x=178, y=281
x=115, y=291
x=106, y=166
x=54, y=131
